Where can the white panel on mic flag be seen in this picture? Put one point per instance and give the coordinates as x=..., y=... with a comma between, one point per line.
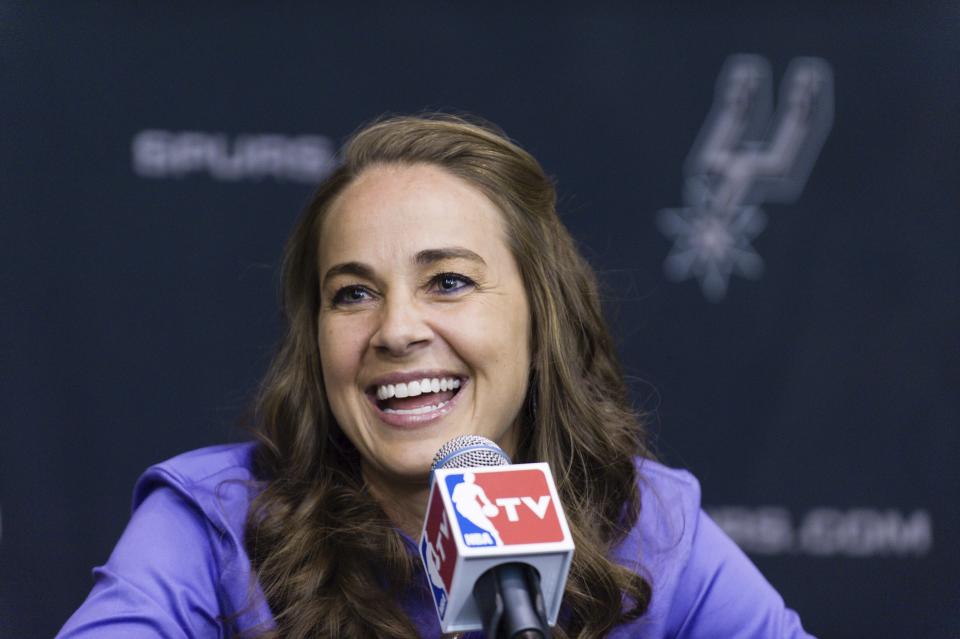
x=482, y=517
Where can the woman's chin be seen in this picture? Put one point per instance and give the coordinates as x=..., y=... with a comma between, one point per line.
x=416, y=455
x=407, y=464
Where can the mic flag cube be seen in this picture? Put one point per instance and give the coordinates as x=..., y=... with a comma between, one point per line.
x=479, y=518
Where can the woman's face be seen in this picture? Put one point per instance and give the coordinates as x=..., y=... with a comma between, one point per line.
x=424, y=325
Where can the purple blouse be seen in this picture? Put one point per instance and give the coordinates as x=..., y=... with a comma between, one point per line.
x=180, y=569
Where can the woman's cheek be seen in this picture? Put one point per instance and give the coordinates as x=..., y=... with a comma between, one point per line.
x=341, y=347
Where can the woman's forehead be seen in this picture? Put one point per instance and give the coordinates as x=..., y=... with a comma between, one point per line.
x=398, y=212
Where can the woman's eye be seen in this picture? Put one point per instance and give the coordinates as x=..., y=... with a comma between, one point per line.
x=351, y=295
x=446, y=283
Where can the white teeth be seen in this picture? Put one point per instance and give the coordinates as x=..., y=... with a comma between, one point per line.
x=415, y=411
x=417, y=387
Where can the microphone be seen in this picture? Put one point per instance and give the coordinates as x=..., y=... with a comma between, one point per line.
x=495, y=543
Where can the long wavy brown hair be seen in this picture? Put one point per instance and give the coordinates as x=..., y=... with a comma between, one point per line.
x=326, y=556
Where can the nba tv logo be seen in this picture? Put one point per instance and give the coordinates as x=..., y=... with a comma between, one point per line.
x=503, y=509
x=745, y=155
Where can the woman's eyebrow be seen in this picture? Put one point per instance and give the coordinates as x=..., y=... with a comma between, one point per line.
x=429, y=256
x=358, y=269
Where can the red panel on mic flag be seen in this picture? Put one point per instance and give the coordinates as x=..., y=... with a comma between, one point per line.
x=513, y=506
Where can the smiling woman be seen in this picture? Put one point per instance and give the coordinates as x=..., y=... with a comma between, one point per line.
x=430, y=291
x=435, y=252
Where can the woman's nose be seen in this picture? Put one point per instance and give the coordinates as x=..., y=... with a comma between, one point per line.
x=403, y=327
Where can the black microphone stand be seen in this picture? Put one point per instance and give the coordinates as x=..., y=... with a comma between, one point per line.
x=511, y=603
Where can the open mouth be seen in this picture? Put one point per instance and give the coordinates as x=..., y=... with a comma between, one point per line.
x=418, y=397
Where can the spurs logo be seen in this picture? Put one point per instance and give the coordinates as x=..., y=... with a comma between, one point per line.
x=745, y=155
x=169, y=154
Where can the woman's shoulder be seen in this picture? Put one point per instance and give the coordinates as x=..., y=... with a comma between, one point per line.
x=664, y=533
x=703, y=584
x=180, y=563
x=658, y=479
x=669, y=508
x=217, y=480
x=203, y=465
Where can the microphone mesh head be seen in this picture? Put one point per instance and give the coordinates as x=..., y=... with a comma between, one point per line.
x=469, y=451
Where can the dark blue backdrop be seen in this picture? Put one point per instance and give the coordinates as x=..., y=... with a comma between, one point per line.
x=154, y=159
